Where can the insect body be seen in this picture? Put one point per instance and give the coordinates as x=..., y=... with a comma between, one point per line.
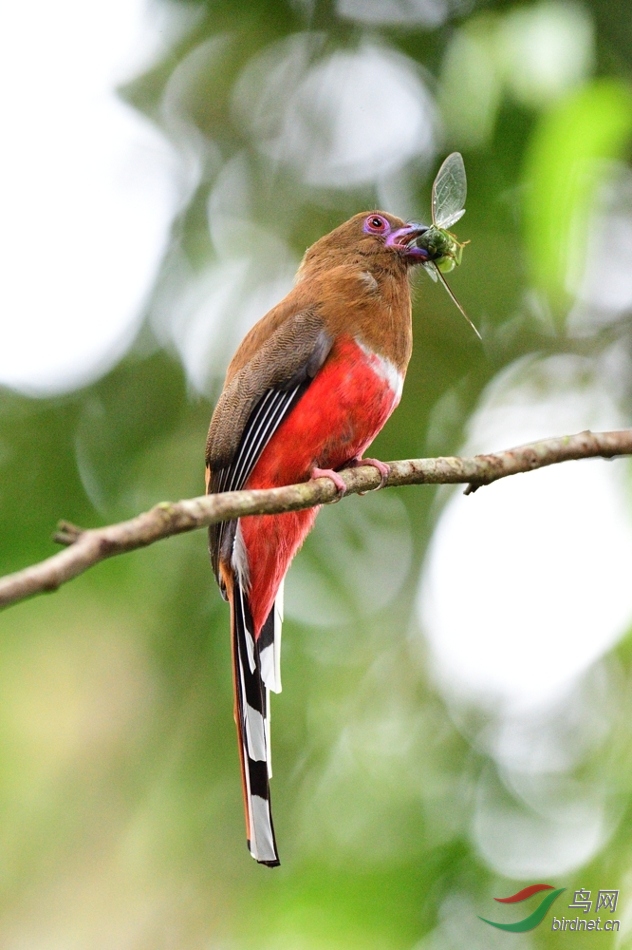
x=443, y=248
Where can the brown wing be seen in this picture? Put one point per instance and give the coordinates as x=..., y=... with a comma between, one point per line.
x=294, y=351
x=257, y=397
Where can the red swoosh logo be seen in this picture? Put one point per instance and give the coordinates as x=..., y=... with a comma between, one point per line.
x=524, y=893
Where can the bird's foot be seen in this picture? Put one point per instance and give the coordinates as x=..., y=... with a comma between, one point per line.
x=382, y=467
x=341, y=488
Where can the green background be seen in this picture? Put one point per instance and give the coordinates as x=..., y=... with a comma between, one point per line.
x=121, y=819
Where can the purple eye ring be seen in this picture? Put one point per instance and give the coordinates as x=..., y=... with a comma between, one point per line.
x=376, y=224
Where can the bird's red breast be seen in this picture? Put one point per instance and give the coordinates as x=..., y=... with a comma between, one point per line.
x=336, y=420
x=309, y=388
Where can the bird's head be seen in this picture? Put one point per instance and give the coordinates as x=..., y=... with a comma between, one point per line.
x=371, y=234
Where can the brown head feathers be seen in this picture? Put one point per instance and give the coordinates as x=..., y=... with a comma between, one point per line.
x=350, y=243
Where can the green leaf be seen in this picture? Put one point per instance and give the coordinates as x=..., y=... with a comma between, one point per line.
x=564, y=170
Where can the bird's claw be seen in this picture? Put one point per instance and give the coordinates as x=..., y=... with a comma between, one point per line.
x=341, y=488
x=382, y=467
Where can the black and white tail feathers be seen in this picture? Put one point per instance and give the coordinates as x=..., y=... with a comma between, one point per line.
x=256, y=672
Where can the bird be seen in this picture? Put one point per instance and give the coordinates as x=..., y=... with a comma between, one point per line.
x=307, y=391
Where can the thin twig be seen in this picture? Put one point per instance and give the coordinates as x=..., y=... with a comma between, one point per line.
x=88, y=547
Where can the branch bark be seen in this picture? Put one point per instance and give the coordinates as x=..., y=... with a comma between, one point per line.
x=89, y=547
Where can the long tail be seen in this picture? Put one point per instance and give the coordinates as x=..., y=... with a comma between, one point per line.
x=255, y=669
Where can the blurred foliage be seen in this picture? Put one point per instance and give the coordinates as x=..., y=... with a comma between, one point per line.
x=122, y=821
x=563, y=171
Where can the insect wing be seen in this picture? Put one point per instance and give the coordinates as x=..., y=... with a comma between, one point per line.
x=432, y=269
x=449, y=191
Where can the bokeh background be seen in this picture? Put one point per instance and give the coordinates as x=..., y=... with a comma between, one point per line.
x=455, y=721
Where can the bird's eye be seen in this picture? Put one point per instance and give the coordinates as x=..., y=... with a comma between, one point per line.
x=376, y=224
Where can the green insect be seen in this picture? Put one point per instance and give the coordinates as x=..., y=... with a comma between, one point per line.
x=444, y=251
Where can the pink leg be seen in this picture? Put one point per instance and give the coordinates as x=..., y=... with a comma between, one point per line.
x=334, y=476
x=382, y=467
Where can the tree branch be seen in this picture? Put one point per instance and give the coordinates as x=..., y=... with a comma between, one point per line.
x=86, y=548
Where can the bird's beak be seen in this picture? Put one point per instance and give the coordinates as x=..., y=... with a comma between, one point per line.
x=404, y=241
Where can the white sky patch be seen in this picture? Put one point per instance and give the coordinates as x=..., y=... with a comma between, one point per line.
x=545, y=49
x=605, y=286
x=426, y=13
x=206, y=314
x=532, y=818
x=88, y=189
x=527, y=582
x=343, y=120
x=560, y=831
